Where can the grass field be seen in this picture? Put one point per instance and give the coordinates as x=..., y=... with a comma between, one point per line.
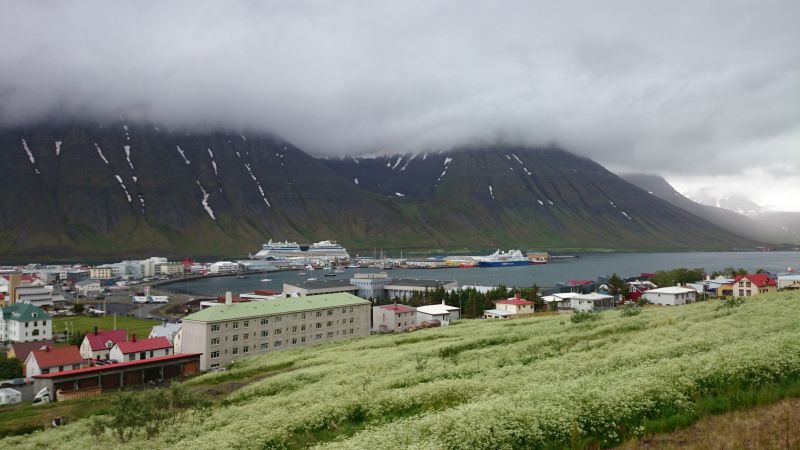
x=530, y=383
x=82, y=324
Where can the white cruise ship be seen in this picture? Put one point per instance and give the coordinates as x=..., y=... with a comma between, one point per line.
x=328, y=248
x=275, y=250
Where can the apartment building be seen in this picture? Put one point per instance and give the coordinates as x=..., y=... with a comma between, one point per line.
x=225, y=333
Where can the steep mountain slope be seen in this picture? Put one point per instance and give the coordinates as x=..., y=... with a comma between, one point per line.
x=766, y=227
x=135, y=189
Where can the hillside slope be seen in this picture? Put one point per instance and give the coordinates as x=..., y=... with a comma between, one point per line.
x=527, y=383
x=124, y=190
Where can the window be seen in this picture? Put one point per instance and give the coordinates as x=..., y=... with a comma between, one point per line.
x=330, y=334
x=277, y=331
x=235, y=338
x=302, y=328
x=246, y=336
x=235, y=325
x=318, y=314
x=45, y=371
x=351, y=331
x=318, y=336
x=246, y=323
x=279, y=318
x=277, y=344
x=265, y=333
x=245, y=349
x=264, y=321
x=294, y=341
x=344, y=310
x=351, y=320
x=215, y=327
x=303, y=339
x=319, y=324
x=303, y=316
x=351, y=309
x=214, y=366
x=235, y=350
x=142, y=355
x=264, y=346
x=330, y=312
x=151, y=353
x=330, y=323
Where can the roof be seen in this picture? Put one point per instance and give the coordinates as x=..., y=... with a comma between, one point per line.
x=23, y=312
x=437, y=309
x=579, y=282
x=98, y=341
x=118, y=365
x=789, y=277
x=143, y=345
x=23, y=349
x=671, y=290
x=167, y=330
x=325, y=284
x=59, y=356
x=759, y=279
x=515, y=300
x=277, y=306
x=9, y=391
x=86, y=282
x=430, y=284
x=594, y=296
x=399, y=309
x=498, y=312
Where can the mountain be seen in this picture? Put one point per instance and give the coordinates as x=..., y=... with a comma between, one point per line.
x=117, y=190
x=754, y=222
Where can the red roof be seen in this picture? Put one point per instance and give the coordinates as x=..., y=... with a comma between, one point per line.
x=579, y=282
x=399, y=309
x=98, y=341
x=117, y=365
x=55, y=357
x=515, y=300
x=759, y=279
x=265, y=292
x=143, y=345
x=23, y=349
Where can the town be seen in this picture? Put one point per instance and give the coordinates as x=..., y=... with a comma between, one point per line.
x=45, y=364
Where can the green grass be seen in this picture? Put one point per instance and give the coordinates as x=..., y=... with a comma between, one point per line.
x=84, y=324
x=540, y=382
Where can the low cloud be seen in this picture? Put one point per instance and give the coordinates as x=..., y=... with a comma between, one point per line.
x=681, y=89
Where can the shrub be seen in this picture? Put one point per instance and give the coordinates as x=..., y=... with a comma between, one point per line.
x=584, y=316
x=630, y=310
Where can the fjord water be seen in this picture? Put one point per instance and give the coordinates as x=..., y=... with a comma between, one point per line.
x=587, y=266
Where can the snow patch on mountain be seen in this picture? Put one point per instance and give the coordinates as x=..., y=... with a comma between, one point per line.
x=491, y=191
x=124, y=188
x=127, y=149
x=100, y=152
x=58, y=148
x=183, y=155
x=204, y=201
x=355, y=180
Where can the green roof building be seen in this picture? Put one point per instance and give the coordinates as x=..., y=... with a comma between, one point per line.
x=225, y=333
x=23, y=322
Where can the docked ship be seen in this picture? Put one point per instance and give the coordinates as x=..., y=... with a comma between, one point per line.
x=328, y=248
x=278, y=250
x=502, y=259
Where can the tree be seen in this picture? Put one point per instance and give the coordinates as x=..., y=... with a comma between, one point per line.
x=617, y=286
x=10, y=367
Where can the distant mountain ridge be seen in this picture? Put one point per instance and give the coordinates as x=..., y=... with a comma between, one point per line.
x=134, y=189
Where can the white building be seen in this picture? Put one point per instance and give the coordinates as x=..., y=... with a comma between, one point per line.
x=672, y=295
x=88, y=288
x=404, y=288
x=52, y=360
x=591, y=302
x=101, y=273
x=98, y=344
x=137, y=350
x=23, y=322
x=371, y=285
x=785, y=281
x=393, y=318
x=167, y=330
x=441, y=312
x=223, y=267
x=149, y=265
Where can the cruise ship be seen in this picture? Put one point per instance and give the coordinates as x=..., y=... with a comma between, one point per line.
x=328, y=248
x=502, y=259
x=277, y=250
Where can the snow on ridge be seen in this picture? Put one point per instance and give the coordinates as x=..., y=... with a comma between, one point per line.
x=124, y=188
x=526, y=170
x=399, y=160
x=612, y=204
x=243, y=138
x=517, y=158
x=540, y=202
x=213, y=162
x=258, y=184
x=405, y=165
x=425, y=156
x=28, y=151
x=125, y=127
x=491, y=191
x=204, y=201
x=355, y=180
x=508, y=157
x=128, y=155
x=58, y=148
x=626, y=215
x=183, y=155
x=551, y=203
x=448, y=160
x=355, y=160
x=135, y=179
x=399, y=194
x=100, y=152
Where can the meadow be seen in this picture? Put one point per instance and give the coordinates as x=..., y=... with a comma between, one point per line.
x=84, y=324
x=542, y=382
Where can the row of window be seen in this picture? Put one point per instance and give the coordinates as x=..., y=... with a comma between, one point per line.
x=278, y=331
x=265, y=345
x=277, y=319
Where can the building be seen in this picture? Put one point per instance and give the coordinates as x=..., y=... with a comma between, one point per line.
x=21, y=350
x=41, y=296
x=393, y=318
x=442, y=313
x=149, y=265
x=403, y=288
x=560, y=301
x=52, y=360
x=753, y=284
x=591, y=302
x=225, y=333
x=88, y=288
x=22, y=322
x=316, y=287
x=516, y=306
x=371, y=284
x=671, y=296
x=788, y=281
x=101, y=273
x=169, y=268
x=167, y=330
x=97, y=344
x=223, y=267
x=496, y=314
x=134, y=349
x=94, y=380
x=10, y=396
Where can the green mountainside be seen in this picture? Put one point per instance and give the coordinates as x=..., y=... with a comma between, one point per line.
x=120, y=190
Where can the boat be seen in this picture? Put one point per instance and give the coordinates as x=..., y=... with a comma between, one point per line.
x=538, y=257
x=330, y=274
x=467, y=265
x=301, y=274
x=266, y=279
x=328, y=248
x=277, y=250
x=311, y=279
x=338, y=270
x=502, y=259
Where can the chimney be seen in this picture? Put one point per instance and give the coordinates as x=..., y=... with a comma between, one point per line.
x=95, y=330
x=518, y=296
x=133, y=337
x=228, y=298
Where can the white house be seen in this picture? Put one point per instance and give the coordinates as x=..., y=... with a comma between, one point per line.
x=167, y=330
x=672, y=295
x=223, y=267
x=443, y=313
x=136, y=350
x=52, y=360
x=591, y=302
x=392, y=318
x=88, y=288
x=23, y=322
x=785, y=281
x=515, y=305
x=98, y=344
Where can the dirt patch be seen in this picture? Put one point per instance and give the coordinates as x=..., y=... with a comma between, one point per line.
x=218, y=391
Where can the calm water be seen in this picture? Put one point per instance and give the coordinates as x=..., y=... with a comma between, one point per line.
x=588, y=266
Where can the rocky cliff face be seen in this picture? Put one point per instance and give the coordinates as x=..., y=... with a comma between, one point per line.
x=132, y=189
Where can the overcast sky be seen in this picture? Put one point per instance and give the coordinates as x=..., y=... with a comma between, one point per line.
x=705, y=93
